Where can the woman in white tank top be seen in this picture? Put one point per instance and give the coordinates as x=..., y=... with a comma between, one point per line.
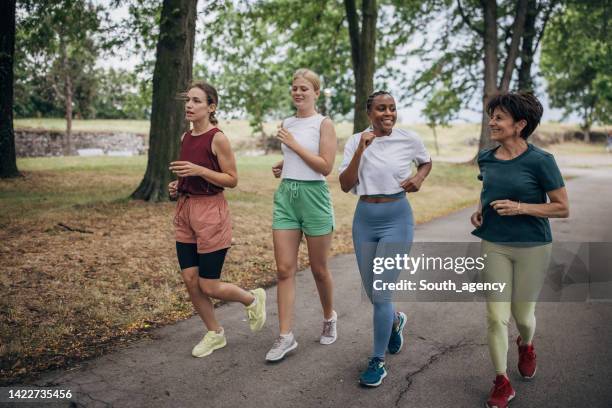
x=302, y=205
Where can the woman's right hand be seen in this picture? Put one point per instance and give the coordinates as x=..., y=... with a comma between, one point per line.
x=366, y=140
x=173, y=188
x=277, y=169
x=476, y=219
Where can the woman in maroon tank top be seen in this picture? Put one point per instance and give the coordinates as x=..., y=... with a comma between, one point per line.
x=202, y=221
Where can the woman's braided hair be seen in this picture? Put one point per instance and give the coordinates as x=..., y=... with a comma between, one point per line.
x=372, y=96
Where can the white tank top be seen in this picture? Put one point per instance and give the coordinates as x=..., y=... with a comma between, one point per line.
x=307, y=132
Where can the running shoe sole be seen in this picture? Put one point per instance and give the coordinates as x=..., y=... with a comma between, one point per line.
x=376, y=384
x=290, y=348
x=211, y=350
x=510, y=398
x=525, y=378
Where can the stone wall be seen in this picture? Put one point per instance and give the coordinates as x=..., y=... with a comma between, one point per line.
x=40, y=142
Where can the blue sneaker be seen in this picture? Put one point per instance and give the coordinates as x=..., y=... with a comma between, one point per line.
x=396, y=341
x=374, y=374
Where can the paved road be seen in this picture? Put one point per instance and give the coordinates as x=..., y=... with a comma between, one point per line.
x=445, y=362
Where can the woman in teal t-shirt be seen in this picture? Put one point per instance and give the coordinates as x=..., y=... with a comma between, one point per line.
x=512, y=221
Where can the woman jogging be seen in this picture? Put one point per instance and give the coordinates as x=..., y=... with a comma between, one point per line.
x=302, y=205
x=512, y=221
x=202, y=220
x=377, y=167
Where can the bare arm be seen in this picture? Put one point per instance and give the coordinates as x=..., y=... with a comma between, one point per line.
x=558, y=207
x=324, y=161
x=413, y=184
x=350, y=175
x=476, y=217
x=277, y=169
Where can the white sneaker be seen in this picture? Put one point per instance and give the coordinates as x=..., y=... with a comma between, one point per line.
x=281, y=346
x=330, y=330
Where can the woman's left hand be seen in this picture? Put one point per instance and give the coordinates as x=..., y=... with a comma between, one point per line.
x=506, y=207
x=185, y=169
x=285, y=137
x=412, y=184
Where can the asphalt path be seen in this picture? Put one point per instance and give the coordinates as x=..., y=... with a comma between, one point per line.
x=445, y=362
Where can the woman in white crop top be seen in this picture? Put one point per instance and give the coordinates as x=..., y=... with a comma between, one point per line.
x=302, y=205
x=377, y=166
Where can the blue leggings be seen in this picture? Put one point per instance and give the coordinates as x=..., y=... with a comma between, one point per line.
x=381, y=230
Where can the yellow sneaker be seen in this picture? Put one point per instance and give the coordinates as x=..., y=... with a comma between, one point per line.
x=257, y=313
x=211, y=342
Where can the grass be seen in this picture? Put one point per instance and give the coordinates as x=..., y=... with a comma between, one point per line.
x=69, y=295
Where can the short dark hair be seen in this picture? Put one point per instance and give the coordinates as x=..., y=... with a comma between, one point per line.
x=374, y=95
x=521, y=106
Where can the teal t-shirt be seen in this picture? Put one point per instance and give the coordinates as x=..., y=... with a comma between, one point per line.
x=526, y=178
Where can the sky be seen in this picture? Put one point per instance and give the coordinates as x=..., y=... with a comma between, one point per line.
x=408, y=113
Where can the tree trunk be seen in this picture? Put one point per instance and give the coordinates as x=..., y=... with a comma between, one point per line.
x=8, y=161
x=491, y=66
x=525, y=82
x=172, y=74
x=68, y=150
x=491, y=60
x=586, y=126
x=363, y=53
x=435, y=135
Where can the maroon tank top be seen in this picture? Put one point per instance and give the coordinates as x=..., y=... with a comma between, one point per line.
x=198, y=150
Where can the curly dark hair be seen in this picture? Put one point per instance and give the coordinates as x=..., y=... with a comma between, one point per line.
x=374, y=95
x=521, y=106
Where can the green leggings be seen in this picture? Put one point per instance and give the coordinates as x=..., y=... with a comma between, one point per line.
x=523, y=269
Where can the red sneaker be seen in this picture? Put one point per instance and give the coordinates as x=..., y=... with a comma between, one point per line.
x=501, y=393
x=527, y=360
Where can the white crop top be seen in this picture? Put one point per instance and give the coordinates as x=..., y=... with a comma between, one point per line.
x=307, y=132
x=386, y=162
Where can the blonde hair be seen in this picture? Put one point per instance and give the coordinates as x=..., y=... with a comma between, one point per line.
x=310, y=76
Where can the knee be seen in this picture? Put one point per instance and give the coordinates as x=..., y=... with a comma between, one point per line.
x=285, y=272
x=523, y=319
x=191, y=282
x=320, y=273
x=496, y=320
x=208, y=288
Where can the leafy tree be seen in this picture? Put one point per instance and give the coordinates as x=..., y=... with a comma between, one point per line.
x=269, y=40
x=363, y=50
x=121, y=94
x=172, y=74
x=8, y=161
x=538, y=15
x=577, y=61
x=58, y=36
x=471, y=56
x=441, y=107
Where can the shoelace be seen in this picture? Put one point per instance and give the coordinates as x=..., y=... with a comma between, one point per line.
x=327, y=326
x=499, y=390
x=277, y=342
x=373, y=364
x=527, y=355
